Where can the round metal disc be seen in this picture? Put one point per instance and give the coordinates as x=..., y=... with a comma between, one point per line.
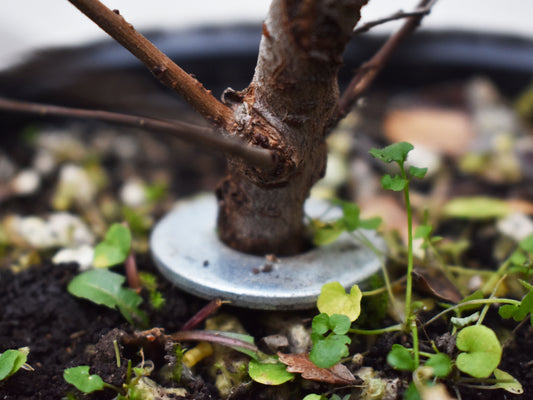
x=186, y=249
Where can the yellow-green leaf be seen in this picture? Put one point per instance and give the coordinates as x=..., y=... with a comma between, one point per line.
x=333, y=299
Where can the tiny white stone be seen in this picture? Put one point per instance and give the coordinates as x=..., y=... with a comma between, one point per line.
x=26, y=182
x=82, y=255
x=475, y=283
x=517, y=226
x=44, y=162
x=133, y=193
x=60, y=230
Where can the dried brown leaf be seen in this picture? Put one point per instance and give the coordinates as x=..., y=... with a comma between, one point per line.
x=436, y=283
x=300, y=363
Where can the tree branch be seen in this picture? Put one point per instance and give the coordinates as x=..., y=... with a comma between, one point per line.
x=256, y=156
x=398, y=15
x=162, y=67
x=369, y=70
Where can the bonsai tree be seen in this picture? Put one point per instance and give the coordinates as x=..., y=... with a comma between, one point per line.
x=274, y=131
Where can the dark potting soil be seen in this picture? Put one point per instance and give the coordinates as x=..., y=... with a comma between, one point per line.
x=62, y=331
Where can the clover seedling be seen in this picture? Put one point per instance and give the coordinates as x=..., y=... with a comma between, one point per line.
x=11, y=361
x=482, y=351
x=115, y=247
x=338, y=310
x=102, y=286
x=519, y=312
x=329, y=348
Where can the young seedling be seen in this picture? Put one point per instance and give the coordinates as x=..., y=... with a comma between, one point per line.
x=135, y=387
x=12, y=360
x=104, y=287
x=397, y=153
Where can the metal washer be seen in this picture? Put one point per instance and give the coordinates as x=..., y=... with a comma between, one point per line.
x=187, y=251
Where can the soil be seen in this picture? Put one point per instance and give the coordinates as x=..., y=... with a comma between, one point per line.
x=63, y=331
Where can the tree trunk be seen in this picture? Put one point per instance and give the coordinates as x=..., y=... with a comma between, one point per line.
x=288, y=108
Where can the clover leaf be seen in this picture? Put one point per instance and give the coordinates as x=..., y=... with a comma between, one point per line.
x=441, y=364
x=269, y=373
x=396, y=152
x=401, y=358
x=519, y=312
x=84, y=382
x=333, y=299
x=482, y=351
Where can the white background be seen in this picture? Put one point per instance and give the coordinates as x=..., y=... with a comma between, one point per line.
x=26, y=25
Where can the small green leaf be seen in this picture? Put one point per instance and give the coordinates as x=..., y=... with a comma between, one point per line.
x=482, y=351
x=269, y=373
x=243, y=337
x=115, y=247
x=370, y=223
x=508, y=382
x=84, y=382
x=417, y=172
x=423, y=232
x=441, y=364
x=326, y=233
x=396, y=152
x=102, y=286
x=507, y=310
x=350, y=215
x=401, y=358
x=328, y=351
x=412, y=393
x=313, y=396
x=527, y=244
x=339, y=324
x=518, y=313
x=395, y=183
x=333, y=299
x=320, y=323
x=11, y=361
x=476, y=208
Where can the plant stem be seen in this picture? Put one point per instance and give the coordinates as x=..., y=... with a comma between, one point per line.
x=473, y=302
x=409, y=281
x=392, y=328
x=379, y=254
x=486, y=307
x=162, y=67
x=366, y=74
x=414, y=333
x=202, y=136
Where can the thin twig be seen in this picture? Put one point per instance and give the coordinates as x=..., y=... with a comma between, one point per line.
x=257, y=156
x=369, y=70
x=162, y=67
x=396, y=16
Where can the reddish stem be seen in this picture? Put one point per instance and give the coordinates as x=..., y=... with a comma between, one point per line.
x=209, y=309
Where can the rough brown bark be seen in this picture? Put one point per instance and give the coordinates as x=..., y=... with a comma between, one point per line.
x=287, y=107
